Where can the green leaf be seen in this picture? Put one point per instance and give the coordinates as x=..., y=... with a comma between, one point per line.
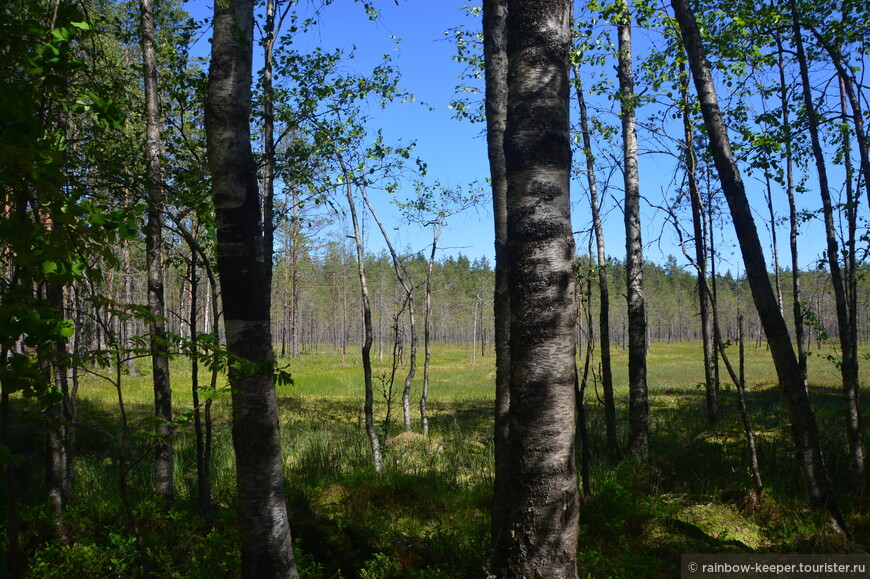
x=98, y=219
x=66, y=328
x=62, y=34
x=49, y=267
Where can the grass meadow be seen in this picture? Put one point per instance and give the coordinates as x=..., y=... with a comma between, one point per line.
x=426, y=514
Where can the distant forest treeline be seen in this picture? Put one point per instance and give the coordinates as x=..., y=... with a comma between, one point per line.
x=316, y=303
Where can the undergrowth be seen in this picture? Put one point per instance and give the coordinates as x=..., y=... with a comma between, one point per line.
x=427, y=513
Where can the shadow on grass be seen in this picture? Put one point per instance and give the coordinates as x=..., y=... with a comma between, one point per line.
x=427, y=513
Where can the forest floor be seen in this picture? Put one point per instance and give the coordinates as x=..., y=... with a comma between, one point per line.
x=426, y=514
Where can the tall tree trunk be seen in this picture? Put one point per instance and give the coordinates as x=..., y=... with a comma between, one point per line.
x=851, y=290
x=268, y=147
x=744, y=413
x=14, y=560
x=804, y=429
x=286, y=292
x=408, y=288
x=495, y=76
x=713, y=288
x=202, y=416
x=427, y=331
x=61, y=419
x=294, y=279
x=848, y=86
x=738, y=380
x=164, y=484
x=368, y=405
x=582, y=424
x=543, y=510
x=848, y=347
x=704, y=298
x=266, y=543
x=203, y=481
x=603, y=289
x=774, y=248
x=638, y=403
x=474, y=318
x=129, y=324
x=797, y=305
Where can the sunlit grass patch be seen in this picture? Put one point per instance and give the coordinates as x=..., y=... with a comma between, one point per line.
x=426, y=514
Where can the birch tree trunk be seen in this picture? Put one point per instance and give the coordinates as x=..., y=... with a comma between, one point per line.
x=804, y=428
x=603, y=289
x=408, y=288
x=774, y=248
x=543, y=510
x=848, y=86
x=495, y=77
x=294, y=280
x=61, y=418
x=797, y=306
x=704, y=298
x=368, y=405
x=427, y=331
x=268, y=147
x=266, y=543
x=164, y=484
x=853, y=417
x=848, y=347
x=638, y=403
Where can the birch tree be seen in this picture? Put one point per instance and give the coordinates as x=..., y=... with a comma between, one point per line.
x=164, y=485
x=805, y=432
x=265, y=531
x=542, y=507
x=638, y=404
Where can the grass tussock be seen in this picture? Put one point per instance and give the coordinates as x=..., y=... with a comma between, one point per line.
x=427, y=513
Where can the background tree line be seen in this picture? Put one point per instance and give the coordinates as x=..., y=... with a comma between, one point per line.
x=329, y=313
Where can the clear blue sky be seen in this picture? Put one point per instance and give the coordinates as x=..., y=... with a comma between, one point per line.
x=456, y=151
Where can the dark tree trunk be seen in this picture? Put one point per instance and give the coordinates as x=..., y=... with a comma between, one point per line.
x=164, y=485
x=848, y=347
x=804, y=429
x=14, y=560
x=638, y=403
x=744, y=414
x=713, y=287
x=407, y=287
x=61, y=423
x=266, y=544
x=848, y=86
x=268, y=147
x=203, y=481
x=603, y=289
x=202, y=412
x=542, y=505
x=704, y=298
x=427, y=331
x=797, y=306
x=774, y=249
x=853, y=415
x=495, y=56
